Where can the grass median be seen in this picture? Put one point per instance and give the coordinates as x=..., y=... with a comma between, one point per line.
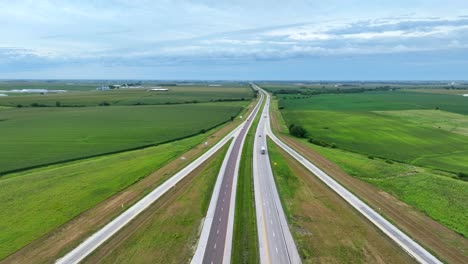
x=245, y=241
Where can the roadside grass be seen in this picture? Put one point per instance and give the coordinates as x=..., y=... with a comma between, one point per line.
x=38, y=201
x=377, y=101
x=312, y=210
x=452, y=122
x=37, y=136
x=440, y=197
x=130, y=96
x=172, y=230
x=385, y=136
x=245, y=238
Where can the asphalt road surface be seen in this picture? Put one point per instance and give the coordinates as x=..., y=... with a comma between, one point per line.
x=276, y=244
x=217, y=229
x=405, y=242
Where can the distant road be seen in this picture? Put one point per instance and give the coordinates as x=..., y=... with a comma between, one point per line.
x=405, y=242
x=215, y=241
x=276, y=244
x=98, y=238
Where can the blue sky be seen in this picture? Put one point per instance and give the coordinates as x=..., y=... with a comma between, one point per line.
x=208, y=39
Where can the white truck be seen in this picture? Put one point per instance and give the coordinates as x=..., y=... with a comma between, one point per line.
x=262, y=150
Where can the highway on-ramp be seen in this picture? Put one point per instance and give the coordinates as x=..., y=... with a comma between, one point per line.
x=405, y=242
x=215, y=241
x=276, y=244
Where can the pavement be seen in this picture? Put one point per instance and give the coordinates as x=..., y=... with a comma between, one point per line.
x=404, y=241
x=215, y=243
x=276, y=244
x=94, y=241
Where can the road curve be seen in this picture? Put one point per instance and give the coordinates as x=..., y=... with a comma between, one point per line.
x=405, y=242
x=94, y=241
x=276, y=244
x=215, y=241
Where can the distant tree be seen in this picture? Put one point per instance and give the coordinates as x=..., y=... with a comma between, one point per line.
x=203, y=131
x=19, y=105
x=58, y=104
x=232, y=118
x=104, y=103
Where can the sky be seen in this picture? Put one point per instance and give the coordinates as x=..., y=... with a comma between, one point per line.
x=234, y=40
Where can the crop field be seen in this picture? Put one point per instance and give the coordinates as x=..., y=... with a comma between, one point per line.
x=36, y=136
x=452, y=122
x=386, y=136
x=377, y=101
x=37, y=201
x=132, y=96
x=370, y=122
x=321, y=236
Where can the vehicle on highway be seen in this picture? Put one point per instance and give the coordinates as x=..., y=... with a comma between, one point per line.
x=262, y=150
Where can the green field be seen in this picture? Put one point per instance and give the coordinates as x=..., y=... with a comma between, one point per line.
x=129, y=96
x=377, y=101
x=385, y=136
x=402, y=126
x=452, y=122
x=37, y=201
x=169, y=235
x=440, y=197
x=36, y=136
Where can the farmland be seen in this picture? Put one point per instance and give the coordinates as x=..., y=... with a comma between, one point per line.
x=368, y=123
x=61, y=134
x=131, y=96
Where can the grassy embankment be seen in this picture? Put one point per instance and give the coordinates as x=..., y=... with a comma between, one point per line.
x=245, y=240
x=168, y=231
x=321, y=236
x=37, y=136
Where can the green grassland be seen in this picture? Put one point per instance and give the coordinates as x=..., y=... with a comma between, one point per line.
x=377, y=101
x=132, y=96
x=36, y=136
x=170, y=234
x=452, y=122
x=440, y=197
x=386, y=136
x=245, y=241
x=37, y=201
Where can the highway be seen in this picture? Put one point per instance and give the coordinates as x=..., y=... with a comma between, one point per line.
x=215, y=241
x=276, y=244
x=405, y=242
x=94, y=241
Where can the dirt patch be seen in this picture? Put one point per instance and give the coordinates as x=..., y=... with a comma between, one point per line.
x=59, y=241
x=446, y=244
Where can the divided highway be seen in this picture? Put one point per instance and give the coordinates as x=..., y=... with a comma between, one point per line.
x=215, y=242
x=405, y=242
x=98, y=238
x=276, y=244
